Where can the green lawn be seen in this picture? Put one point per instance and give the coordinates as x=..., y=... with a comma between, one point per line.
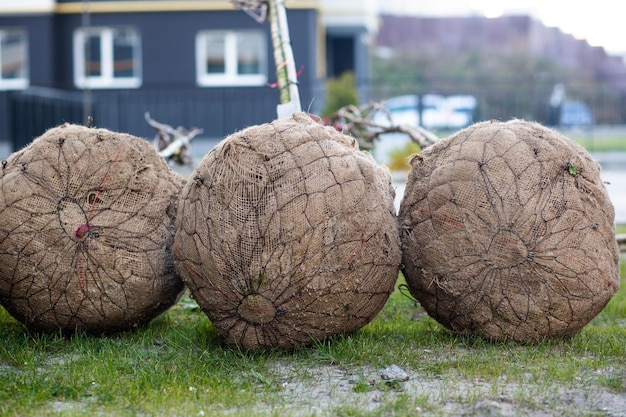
x=178, y=366
x=612, y=144
x=592, y=140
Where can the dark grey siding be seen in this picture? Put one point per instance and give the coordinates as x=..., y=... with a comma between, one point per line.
x=347, y=50
x=168, y=91
x=40, y=55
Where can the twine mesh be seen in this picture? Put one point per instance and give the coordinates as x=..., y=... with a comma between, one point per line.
x=507, y=232
x=286, y=234
x=87, y=224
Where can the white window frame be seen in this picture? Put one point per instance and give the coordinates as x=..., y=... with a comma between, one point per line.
x=107, y=79
x=15, y=83
x=229, y=77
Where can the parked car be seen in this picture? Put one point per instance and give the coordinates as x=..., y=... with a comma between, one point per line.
x=460, y=111
x=575, y=114
x=438, y=112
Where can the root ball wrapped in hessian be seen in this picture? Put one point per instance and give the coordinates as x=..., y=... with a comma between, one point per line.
x=507, y=232
x=286, y=234
x=86, y=230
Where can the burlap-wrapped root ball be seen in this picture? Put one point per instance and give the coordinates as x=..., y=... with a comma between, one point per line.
x=507, y=232
x=286, y=234
x=86, y=230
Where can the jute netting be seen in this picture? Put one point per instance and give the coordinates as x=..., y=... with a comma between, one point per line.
x=86, y=229
x=286, y=234
x=507, y=232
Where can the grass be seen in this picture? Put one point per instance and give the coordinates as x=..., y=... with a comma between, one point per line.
x=177, y=365
x=593, y=140
x=166, y=368
x=601, y=144
x=589, y=140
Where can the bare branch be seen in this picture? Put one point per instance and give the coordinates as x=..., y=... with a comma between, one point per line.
x=254, y=8
x=173, y=144
x=357, y=121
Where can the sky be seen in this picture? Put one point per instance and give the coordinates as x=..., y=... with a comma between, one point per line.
x=599, y=22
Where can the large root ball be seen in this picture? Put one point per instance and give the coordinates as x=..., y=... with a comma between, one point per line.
x=86, y=229
x=286, y=235
x=507, y=232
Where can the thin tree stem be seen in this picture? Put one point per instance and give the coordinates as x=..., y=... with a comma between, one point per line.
x=283, y=56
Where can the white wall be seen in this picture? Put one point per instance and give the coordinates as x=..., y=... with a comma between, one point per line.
x=350, y=13
x=26, y=6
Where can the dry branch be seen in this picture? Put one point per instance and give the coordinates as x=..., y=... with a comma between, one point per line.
x=254, y=8
x=357, y=121
x=174, y=145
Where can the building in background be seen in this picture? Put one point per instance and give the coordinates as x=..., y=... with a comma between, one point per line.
x=206, y=64
x=350, y=27
x=449, y=35
x=511, y=63
x=194, y=63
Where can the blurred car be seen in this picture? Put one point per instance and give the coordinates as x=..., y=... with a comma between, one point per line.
x=460, y=111
x=437, y=113
x=575, y=114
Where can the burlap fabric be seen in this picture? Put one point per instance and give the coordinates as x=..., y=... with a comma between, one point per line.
x=507, y=232
x=286, y=234
x=86, y=229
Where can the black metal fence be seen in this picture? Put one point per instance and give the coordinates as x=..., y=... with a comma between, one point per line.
x=33, y=111
x=508, y=96
x=218, y=111
x=221, y=111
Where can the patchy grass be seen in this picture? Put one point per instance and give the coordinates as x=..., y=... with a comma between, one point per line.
x=594, y=140
x=601, y=144
x=178, y=366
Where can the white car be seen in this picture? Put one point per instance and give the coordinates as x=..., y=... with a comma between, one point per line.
x=438, y=112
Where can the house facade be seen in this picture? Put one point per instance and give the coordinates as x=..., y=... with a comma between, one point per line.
x=349, y=28
x=191, y=63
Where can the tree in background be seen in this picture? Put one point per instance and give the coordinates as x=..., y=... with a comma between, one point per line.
x=506, y=84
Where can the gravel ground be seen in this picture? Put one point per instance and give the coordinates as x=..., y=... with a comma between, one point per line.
x=322, y=389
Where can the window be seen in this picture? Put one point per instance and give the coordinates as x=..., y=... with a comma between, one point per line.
x=13, y=59
x=231, y=58
x=107, y=58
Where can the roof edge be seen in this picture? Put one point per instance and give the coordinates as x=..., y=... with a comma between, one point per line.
x=130, y=6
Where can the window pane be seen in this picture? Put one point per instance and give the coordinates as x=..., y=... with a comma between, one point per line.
x=107, y=57
x=13, y=54
x=215, y=54
x=249, y=50
x=93, y=59
x=231, y=58
x=125, y=43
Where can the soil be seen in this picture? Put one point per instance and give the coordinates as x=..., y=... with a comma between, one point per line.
x=324, y=390
x=321, y=390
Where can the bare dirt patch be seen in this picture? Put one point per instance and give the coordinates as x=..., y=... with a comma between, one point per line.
x=323, y=390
